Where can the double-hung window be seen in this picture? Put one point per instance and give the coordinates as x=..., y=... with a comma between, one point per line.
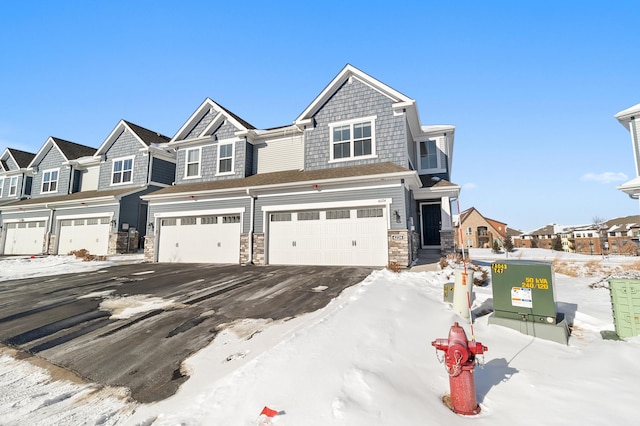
x=225, y=158
x=1, y=187
x=353, y=139
x=192, y=166
x=13, y=186
x=50, y=180
x=122, y=171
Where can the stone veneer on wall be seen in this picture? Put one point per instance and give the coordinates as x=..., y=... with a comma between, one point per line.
x=149, y=248
x=400, y=247
x=447, y=239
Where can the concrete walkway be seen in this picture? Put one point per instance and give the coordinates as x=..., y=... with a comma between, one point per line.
x=428, y=260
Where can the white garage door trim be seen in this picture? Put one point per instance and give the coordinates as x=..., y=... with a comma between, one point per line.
x=87, y=232
x=201, y=238
x=25, y=237
x=338, y=236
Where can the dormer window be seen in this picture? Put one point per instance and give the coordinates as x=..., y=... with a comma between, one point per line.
x=50, y=181
x=353, y=139
x=13, y=186
x=122, y=171
x=192, y=165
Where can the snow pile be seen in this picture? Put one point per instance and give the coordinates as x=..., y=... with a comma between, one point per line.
x=26, y=267
x=366, y=359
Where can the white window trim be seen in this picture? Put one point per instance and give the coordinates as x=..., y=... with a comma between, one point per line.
x=439, y=140
x=1, y=186
x=57, y=181
x=113, y=166
x=350, y=123
x=231, y=142
x=186, y=163
x=15, y=191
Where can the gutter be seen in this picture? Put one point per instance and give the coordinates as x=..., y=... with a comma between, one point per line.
x=251, y=228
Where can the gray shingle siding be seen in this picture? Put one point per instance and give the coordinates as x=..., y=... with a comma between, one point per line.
x=355, y=100
x=163, y=171
x=126, y=145
x=12, y=164
x=52, y=160
x=202, y=124
x=226, y=130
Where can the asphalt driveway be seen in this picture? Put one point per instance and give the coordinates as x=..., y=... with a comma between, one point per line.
x=58, y=318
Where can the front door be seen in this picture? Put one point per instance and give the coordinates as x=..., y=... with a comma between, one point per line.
x=431, y=220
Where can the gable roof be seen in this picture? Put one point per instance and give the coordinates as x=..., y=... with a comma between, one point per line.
x=69, y=150
x=288, y=177
x=22, y=158
x=223, y=113
x=349, y=71
x=145, y=137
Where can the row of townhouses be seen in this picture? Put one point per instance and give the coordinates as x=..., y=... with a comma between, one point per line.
x=356, y=179
x=616, y=236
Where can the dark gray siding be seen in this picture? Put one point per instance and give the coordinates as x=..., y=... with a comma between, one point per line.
x=52, y=160
x=248, y=161
x=163, y=171
x=396, y=194
x=355, y=100
x=126, y=145
x=209, y=163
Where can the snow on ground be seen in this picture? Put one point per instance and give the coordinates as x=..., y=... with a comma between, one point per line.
x=367, y=359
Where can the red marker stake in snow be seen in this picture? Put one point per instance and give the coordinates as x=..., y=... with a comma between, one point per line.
x=269, y=412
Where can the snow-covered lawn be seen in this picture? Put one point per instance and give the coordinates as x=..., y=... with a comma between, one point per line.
x=367, y=359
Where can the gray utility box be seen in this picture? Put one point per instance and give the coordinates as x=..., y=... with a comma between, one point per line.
x=524, y=299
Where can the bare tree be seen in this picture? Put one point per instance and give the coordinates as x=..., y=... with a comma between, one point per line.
x=600, y=225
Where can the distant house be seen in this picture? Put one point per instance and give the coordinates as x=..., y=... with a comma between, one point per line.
x=86, y=198
x=479, y=231
x=629, y=118
x=616, y=236
x=538, y=238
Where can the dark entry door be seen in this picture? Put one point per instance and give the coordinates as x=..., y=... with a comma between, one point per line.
x=431, y=219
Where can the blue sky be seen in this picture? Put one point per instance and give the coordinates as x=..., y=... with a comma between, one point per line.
x=531, y=87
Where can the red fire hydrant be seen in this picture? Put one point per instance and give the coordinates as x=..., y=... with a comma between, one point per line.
x=460, y=360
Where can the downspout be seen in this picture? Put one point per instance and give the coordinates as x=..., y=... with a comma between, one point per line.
x=149, y=165
x=70, y=187
x=49, y=227
x=251, y=221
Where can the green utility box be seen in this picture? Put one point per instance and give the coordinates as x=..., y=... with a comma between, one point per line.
x=524, y=299
x=625, y=301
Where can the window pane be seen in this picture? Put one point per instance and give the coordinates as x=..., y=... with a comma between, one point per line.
x=341, y=134
x=338, y=214
x=362, y=130
x=312, y=215
x=280, y=217
x=341, y=150
x=225, y=166
x=126, y=176
x=192, y=169
x=116, y=178
x=53, y=186
x=193, y=155
x=117, y=166
x=128, y=164
x=362, y=147
x=226, y=151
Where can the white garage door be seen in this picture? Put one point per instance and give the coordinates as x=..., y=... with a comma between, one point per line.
x=91, y=234
x=329, y=237
x=200, y=239
x=24, y=237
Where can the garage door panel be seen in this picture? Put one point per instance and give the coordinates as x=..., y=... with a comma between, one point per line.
x=337, y=237
x=91, y=234
x=24, y=237
x=200, y=239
